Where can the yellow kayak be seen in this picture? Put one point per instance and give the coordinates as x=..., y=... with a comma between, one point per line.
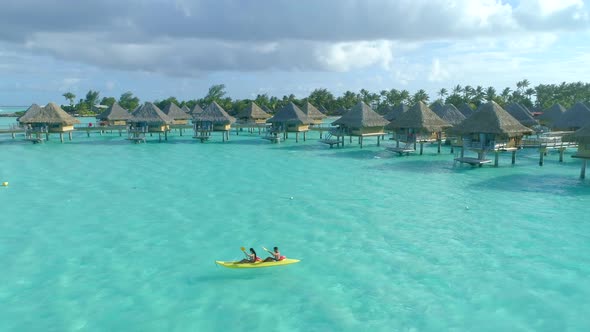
x=236, y=265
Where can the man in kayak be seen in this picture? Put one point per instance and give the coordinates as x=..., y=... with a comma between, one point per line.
x=276, y=255
x=252, y=257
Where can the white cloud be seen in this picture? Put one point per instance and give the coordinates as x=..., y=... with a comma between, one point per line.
x=437, y=72
x=354, y=55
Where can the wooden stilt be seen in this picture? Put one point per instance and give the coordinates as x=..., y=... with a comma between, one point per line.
x=378, y=140
x=159, y=137
x=47, y=136
x=296, y=137
x=421, y=148
x=87, y=133
x=304, y=136
x=496, y=157
x=166, y=135
x=61, y=137
x=439, y=144
x=397, y=143
x=541, y=157
x=70, y=135
x=462, y=152
x=361, y=141
x=561, y=152
x=513, y=157
x=583, y=171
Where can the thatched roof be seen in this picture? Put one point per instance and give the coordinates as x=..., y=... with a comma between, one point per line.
x=30, y=112
x=582, y=133
x=361, y=116
x=576, y=117
x=214, y=114
x=437, y=107
x=450, y=114
x=323, y=110
x=465, y=109
x=290, y=114
x=114, y=112
x=185, y=109
x=396, y=111
x=490, y=118
x=341, y=111
x=421, y=118
x=196, y=110
x=253, y=112
x=521, y=114
x=267, y=109
x=553, y=113
x=150, y=113
x=174, y=112
x=312, y=112
x=50, y=114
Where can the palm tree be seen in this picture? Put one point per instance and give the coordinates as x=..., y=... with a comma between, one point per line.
x=420, y=95
x=490, y=93
x=457, y=90
x=442, y=93
x=70, y=96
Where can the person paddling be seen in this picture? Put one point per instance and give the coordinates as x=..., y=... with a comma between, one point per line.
x=252, y=257
x=276, y=255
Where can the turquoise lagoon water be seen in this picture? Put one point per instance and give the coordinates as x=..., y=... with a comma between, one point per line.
x=99, y=234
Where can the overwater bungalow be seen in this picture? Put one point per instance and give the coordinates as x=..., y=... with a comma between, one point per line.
x=322, y=109
x=396, y=111
x=418, y=125
x=185, y=109
x=148, y=118
x=179, y=117
x=114, y=116
x=582, y=136
x=252, y=115
x=465, y=109
x=315, y=116
x=574, y=118
x=45, y=120
x=522, y=114
x=490, y=129
x=289, y=119
x=213, y=119
x=437, y=107
x=551, y=115
x=361, y=121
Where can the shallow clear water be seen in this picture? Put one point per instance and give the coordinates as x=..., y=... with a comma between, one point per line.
x=100, y=234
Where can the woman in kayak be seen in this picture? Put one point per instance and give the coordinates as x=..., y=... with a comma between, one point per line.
x=276, y=255
x=252, y=257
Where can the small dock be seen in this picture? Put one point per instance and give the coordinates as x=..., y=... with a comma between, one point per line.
x=473, y=161
x=401, y=150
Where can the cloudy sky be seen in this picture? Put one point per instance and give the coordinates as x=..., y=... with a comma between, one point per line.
x=162, y=48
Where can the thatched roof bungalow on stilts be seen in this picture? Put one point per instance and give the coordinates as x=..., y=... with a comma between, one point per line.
x=490, y=129
x=582, y=136
x=576, y=117
x=361, y=121
x=418, y=125
x=179, y=117
x=115, y=115
x=45, y=120
x=551, y=115
x=252, y=117
x=148, y=118
x=289, y=119
x=451, y=115
x=521, y=114
x=213, y=118
x=315, y=116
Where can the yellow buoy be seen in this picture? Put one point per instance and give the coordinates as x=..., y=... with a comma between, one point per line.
x=5, y=184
